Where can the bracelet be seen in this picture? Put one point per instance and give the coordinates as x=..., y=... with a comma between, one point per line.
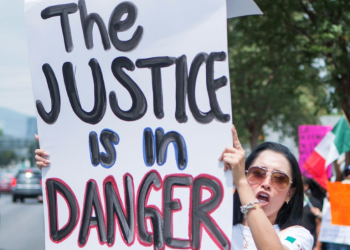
x=255, y=204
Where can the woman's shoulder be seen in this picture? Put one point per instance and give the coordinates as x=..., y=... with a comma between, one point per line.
x=296, y=237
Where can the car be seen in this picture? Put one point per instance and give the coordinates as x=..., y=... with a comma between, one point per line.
x=27, y=184
x=5, y=182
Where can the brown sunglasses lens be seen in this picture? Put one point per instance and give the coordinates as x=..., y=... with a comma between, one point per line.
x=280, y=180
x=256, y=175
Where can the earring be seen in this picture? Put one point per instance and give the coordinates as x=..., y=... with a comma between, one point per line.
x=287, y=201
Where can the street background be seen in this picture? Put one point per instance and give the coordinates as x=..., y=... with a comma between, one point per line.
x=21, y=225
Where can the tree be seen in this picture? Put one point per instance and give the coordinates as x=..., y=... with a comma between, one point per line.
x=271, y=83
x=6, y=157
x=323, y=33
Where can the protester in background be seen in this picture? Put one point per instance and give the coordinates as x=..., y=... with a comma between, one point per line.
x=268, y=201
x=343, y=176
x=346, y=175
x=312, y=213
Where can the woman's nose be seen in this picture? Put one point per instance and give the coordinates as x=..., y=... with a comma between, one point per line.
x=267, y=181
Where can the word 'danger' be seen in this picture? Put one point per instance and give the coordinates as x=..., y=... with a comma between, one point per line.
x=130, y=217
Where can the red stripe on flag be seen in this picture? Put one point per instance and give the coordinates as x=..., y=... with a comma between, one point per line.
x=315, y=165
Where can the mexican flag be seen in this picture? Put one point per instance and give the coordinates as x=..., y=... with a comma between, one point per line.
x=328, y=150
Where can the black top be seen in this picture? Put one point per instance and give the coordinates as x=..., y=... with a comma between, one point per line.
x=309, y=220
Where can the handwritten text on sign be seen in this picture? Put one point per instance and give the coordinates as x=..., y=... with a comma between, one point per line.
x=309, y=137
x=102, y=177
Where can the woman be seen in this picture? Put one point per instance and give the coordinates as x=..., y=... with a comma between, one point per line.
x=271, y=194
x=269, y=191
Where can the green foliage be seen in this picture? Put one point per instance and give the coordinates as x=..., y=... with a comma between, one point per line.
x=272, y=81
x=322, y=31
x=6, y=157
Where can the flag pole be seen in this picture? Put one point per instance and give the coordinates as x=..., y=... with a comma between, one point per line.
x=347, y=154
x=343, y=112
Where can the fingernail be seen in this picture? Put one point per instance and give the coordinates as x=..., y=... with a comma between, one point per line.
x=46, y=153
x=47, y=161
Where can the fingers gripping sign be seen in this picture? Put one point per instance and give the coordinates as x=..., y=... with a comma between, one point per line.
x=40, y=156
x=234, y=158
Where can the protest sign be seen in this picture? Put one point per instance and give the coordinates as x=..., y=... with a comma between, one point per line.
x=133, y=105
x=309, y=137
x=339, y=197
x=332, y=233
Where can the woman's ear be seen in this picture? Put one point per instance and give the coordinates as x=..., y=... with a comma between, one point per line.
x=290, y=194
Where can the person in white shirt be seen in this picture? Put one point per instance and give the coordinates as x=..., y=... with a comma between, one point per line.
x=268, y=202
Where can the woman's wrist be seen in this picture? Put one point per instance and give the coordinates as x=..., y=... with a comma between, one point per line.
x=245, y=192
x=241, y=183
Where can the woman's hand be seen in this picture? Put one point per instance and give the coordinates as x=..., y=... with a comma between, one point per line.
x=40, y=156
x=234, y=159
x=316, y=211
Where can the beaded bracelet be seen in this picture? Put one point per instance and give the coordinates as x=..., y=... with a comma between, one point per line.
x=255, y=204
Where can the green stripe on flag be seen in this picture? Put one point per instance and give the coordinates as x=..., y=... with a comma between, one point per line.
x=290, y=239
x=342, y=135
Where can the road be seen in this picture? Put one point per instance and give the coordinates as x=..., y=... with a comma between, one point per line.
x=21, y=225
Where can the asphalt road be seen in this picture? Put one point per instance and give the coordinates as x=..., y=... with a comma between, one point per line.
x=21, y=225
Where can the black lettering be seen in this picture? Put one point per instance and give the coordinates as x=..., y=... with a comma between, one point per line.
x=155, y=64
x=148, y=147
x=171, y=205
x=97, y=113
x=52, y=187
x=116, y=25
x=139, y=103
x=213, y=85
x=142, y=212
x=62, y=10
x=162, y=142
x=92, y=201
x=87, y=23
x=113, y=205
x=94, y=149
x=200, y=212
x=108, y=139
x=197, y=114
x=51, y=117
x=181, y=89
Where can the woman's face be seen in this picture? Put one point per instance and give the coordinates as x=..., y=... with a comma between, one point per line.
x=269, y=197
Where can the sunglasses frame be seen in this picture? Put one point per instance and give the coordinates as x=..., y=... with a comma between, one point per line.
x=269, y=172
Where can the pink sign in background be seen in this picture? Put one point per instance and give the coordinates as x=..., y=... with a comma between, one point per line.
x=309, y=137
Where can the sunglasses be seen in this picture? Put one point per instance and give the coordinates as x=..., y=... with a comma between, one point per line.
x=279, y=180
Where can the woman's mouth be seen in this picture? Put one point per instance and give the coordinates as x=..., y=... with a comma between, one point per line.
x=263, y=198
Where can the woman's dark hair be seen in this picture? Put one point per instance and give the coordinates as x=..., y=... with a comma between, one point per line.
x=290, y=214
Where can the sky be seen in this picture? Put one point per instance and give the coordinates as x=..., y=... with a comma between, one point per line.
x=15, y=82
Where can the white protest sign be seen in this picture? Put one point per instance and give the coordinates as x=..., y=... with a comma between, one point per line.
x=133, y=103
x=332, y=233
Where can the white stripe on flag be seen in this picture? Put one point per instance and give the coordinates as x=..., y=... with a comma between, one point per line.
x=324, y=146
x=333, y=154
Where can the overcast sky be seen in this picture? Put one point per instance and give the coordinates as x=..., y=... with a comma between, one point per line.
x=15, y=82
